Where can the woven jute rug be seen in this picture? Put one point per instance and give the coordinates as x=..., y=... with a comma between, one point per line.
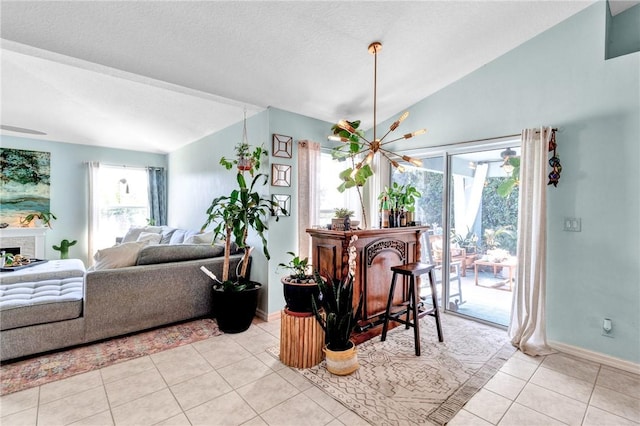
x=395, y=387
x=36, y=371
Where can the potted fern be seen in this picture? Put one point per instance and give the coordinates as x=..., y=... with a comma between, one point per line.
x=340, y=317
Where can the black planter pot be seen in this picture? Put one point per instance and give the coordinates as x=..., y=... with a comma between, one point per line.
x=234, y=310
x=298, y=295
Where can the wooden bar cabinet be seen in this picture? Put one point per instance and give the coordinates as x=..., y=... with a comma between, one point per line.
x=377, y=251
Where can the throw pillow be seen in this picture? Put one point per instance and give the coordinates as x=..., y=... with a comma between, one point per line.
x=134, y=232
x=150, y=237
x=119, y=256
x=206, y=238
x=167, y=233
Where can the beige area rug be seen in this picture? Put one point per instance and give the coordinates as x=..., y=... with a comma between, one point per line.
x=395, y=387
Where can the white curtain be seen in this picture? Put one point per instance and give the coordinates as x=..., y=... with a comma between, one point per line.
x=308, y=194
x=468, y=202
x=527, y=328
x=94, y=208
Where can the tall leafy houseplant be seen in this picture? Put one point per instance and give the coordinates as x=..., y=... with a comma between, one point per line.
x=355, y=175
x=234, y=214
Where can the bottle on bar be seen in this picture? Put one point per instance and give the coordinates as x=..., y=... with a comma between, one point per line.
x=403, y=218
x=385, y=213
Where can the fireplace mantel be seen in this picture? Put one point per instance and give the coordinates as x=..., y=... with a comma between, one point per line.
x=30, y=240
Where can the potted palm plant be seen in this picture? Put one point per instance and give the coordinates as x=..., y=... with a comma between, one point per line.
x=235, y=300
x=300, y=285
x=338, y=317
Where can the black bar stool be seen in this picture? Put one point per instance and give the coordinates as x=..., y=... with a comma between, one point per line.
x=414, y=305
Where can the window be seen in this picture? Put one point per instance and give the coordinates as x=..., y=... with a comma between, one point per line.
x=330, y=198
x=122, y=194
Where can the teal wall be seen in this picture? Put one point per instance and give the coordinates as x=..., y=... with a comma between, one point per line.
x=284, y=234
x=196, y=177
x=69, y=185
x=622, y=32
x=560, y=78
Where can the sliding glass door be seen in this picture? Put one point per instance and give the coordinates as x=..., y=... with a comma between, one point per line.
x=474, y=249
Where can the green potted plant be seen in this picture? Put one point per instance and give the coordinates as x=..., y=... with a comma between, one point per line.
x=334, y=310
x=469, y=242
x=63, y=248
x=337, y=222
x=235, y=300
x=42, y=218
x=409, y=198
x=491, y=239
x=300, y=285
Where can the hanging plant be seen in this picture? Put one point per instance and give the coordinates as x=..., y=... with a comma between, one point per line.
x=512, y=181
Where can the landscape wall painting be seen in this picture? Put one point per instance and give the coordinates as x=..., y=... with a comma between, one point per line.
x=24, y=183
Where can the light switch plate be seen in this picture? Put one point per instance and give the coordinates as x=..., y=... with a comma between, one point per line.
x=572, y=224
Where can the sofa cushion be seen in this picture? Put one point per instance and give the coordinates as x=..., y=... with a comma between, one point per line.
x=40, y=302
x=151, y=237
x=178, y=253
x=53, y=269
x=119, y=256
x=179, y=235
x=134, y=232
x=167, y=233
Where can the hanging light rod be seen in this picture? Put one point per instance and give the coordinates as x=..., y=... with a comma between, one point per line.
x=375, y=145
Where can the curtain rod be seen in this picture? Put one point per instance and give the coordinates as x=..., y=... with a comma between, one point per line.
x=483, y=140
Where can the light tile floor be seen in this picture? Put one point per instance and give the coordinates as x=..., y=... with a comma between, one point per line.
x=231, y=380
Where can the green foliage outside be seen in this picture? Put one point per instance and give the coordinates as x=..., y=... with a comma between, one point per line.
x=497, y=211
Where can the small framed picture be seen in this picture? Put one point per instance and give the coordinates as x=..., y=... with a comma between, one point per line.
x=280, y=175
x=284, y=204
x=281, y=146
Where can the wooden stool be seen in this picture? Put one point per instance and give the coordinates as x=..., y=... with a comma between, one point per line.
x=414, y=305
x=301, y=339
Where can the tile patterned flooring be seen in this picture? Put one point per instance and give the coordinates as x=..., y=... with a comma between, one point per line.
x=238, y=383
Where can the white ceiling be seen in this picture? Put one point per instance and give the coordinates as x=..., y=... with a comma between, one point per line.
x=154, y=76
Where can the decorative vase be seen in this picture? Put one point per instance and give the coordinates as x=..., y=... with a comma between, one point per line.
x=342, y=363
x=298, y=293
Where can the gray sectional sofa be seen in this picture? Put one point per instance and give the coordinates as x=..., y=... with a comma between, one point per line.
x=59, y=304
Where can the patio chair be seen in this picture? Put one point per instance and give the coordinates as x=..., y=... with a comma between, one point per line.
x=434, y=256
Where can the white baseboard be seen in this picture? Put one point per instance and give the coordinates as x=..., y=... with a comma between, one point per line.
x=274, y=316
x=598, y=357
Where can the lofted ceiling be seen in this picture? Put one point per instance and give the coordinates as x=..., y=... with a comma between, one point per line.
x=157, y=75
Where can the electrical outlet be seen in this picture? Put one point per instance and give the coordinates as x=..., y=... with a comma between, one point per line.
x=572, y=224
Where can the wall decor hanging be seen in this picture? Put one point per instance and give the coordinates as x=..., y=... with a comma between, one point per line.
x=284, y=205
x=554, y=162
x=24, y=187
x=280, y=175
x=281, y=146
